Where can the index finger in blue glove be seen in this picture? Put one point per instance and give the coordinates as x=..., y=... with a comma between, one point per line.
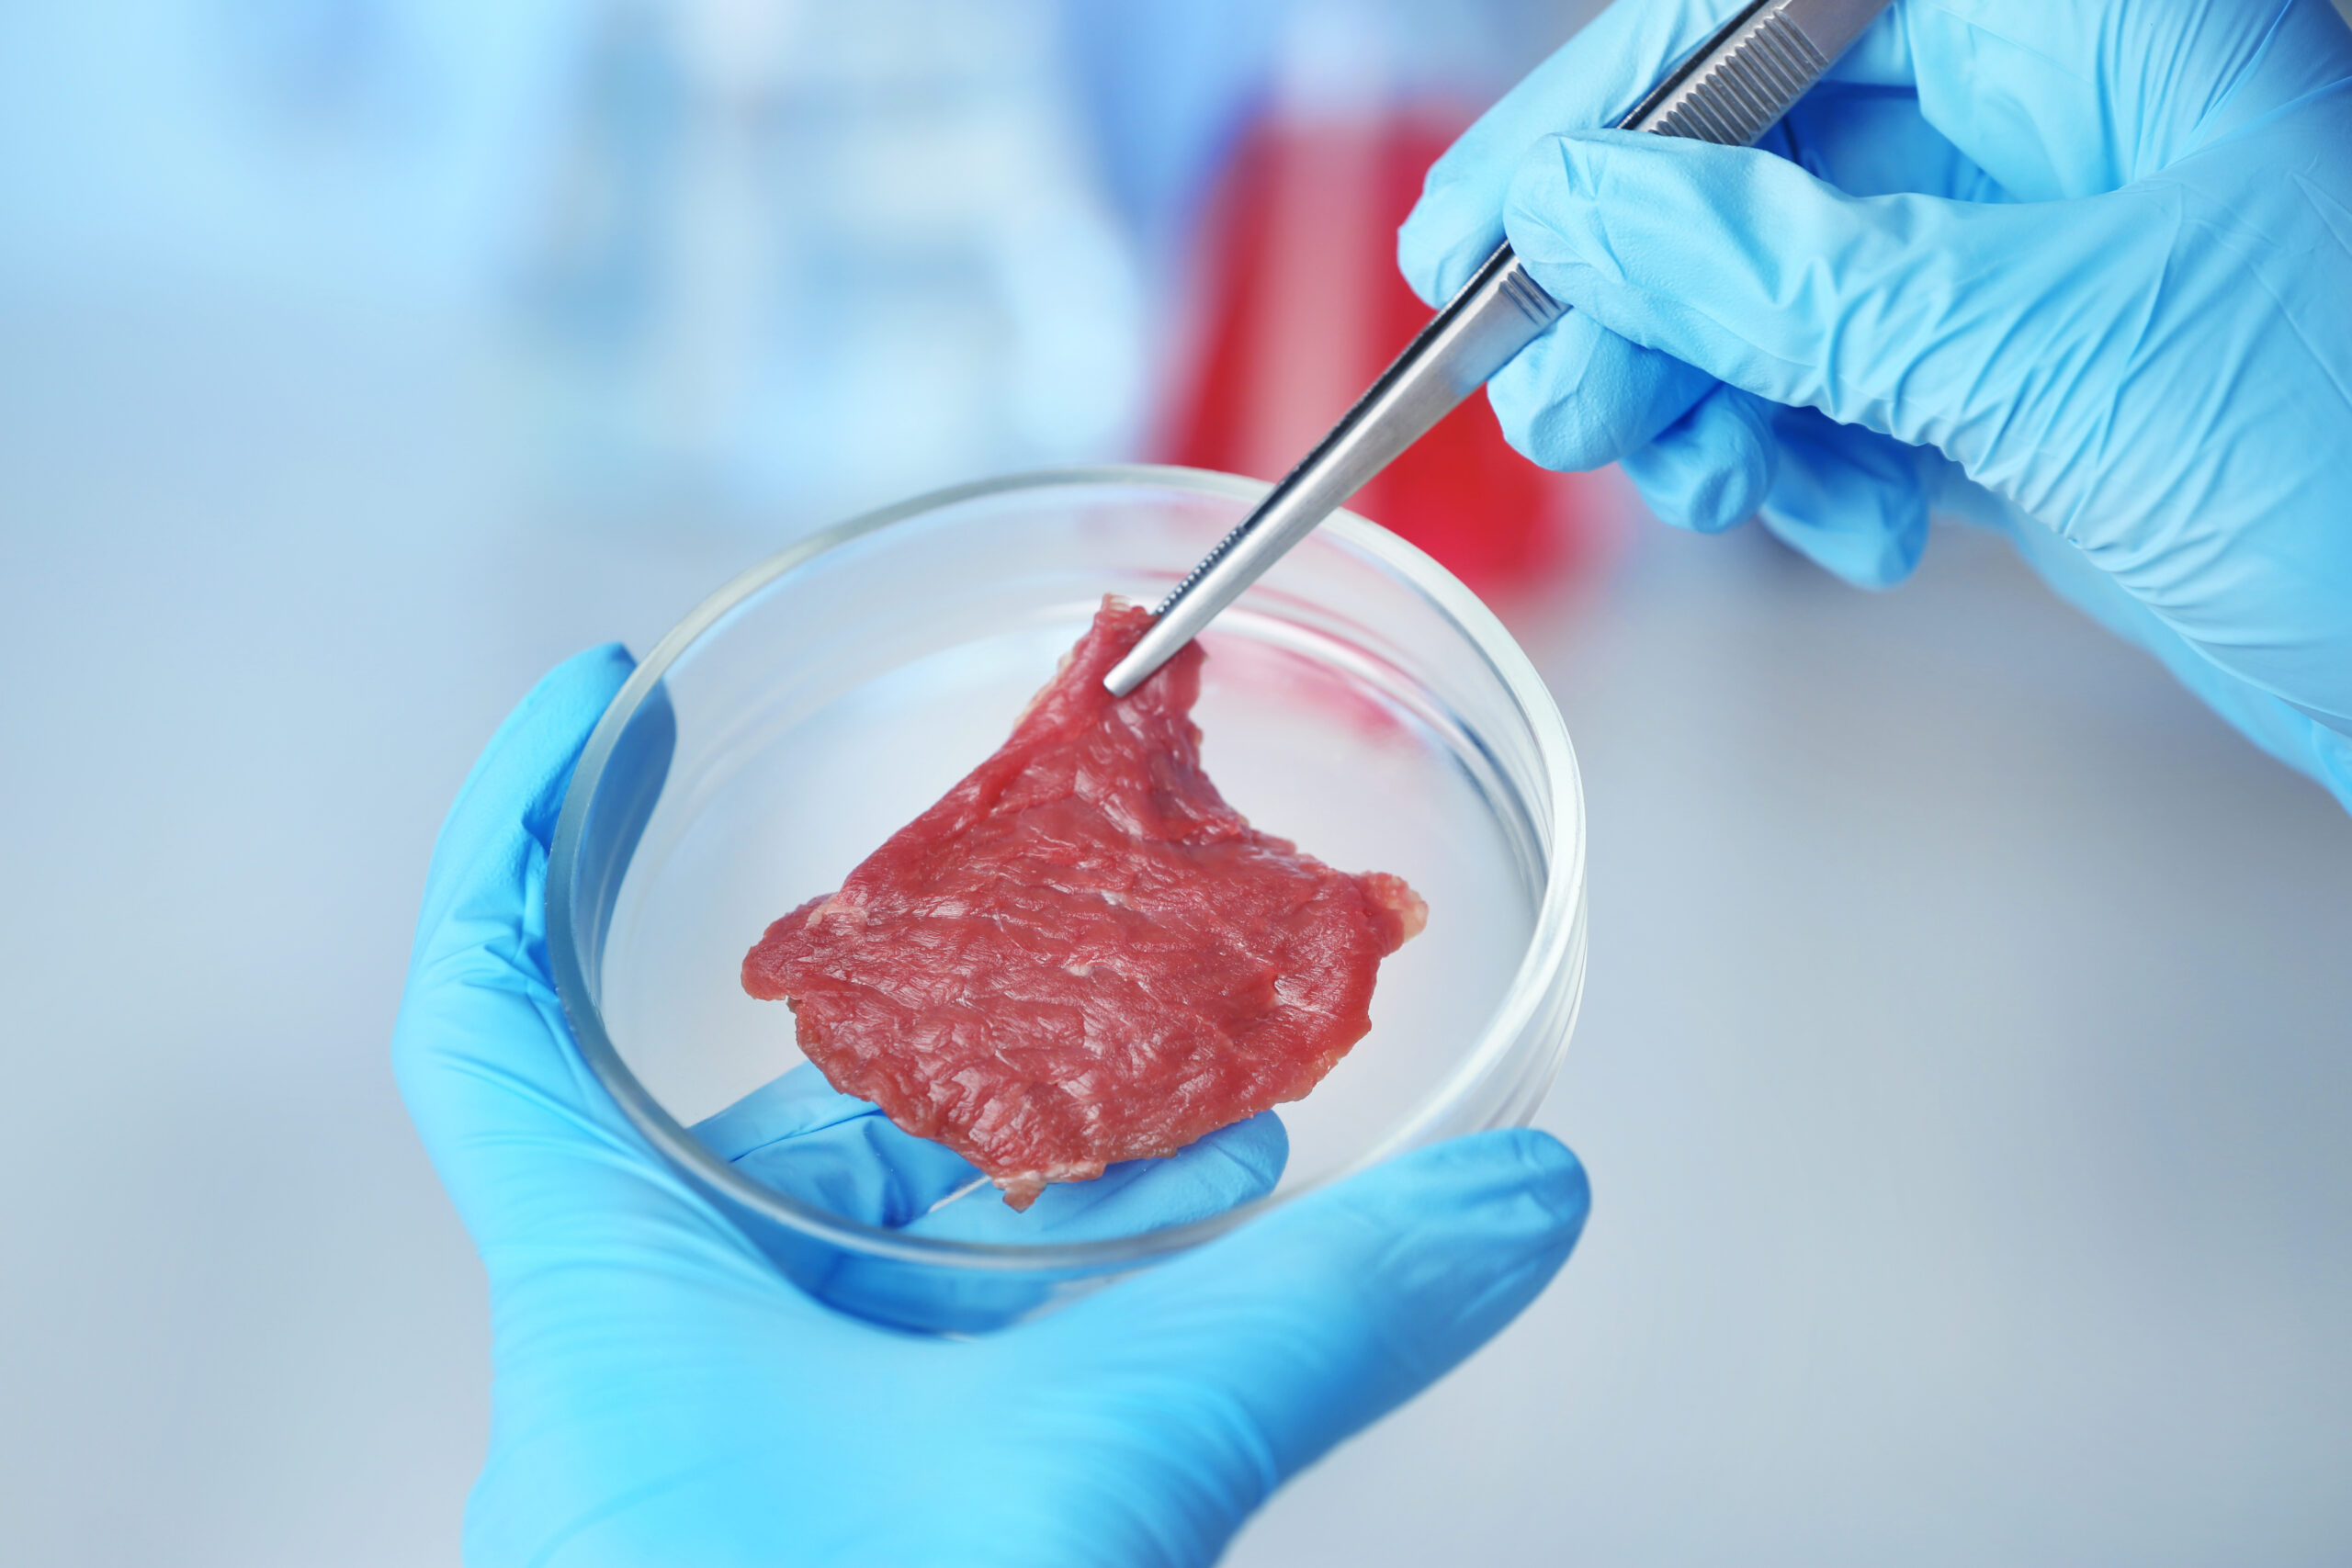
x=1959, y=325
x=1904, y=316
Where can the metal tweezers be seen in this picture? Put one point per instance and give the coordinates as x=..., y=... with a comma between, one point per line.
x=1729, y=90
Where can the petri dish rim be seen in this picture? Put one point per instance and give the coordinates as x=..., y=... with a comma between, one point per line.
x=1553, y=946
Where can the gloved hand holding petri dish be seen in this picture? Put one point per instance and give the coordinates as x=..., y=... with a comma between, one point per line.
x=670, y=1388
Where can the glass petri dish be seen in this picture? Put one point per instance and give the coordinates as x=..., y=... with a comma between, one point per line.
x=1357, y=700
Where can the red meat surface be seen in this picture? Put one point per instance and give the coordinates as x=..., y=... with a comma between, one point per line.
x=1081, y=953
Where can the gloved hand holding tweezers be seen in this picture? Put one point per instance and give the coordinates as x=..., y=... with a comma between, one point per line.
x=2079, y=270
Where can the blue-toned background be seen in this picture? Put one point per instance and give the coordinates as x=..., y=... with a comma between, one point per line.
x=1967, y=1064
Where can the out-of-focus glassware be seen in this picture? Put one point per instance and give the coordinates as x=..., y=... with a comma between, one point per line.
x=799, y=256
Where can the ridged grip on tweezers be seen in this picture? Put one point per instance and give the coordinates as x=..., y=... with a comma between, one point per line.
x=1729, y=90
x=1735, y=100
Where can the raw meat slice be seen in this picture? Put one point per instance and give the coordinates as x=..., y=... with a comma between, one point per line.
x=1081, y=953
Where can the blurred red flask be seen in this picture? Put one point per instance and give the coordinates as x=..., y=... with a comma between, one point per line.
x=1300, y=305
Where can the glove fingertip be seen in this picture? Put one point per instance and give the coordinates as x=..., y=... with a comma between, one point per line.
x=517, y=782
x=1259, y=1148
x=1710, y=470
x=570, y=699
x=556, y=714
x=1858, y=558
x=1527, y=1161
x=1562, y=1183
x=1851, y=501
x=582, y=686
x=1481, y=1198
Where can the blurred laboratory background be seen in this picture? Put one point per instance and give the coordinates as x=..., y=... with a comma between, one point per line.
x=1966, y=1067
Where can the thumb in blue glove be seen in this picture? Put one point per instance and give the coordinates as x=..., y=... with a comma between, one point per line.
x=662, y=1394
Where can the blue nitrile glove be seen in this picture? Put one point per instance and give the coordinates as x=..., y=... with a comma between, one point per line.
x=2079, y=270
x=663, y=1395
